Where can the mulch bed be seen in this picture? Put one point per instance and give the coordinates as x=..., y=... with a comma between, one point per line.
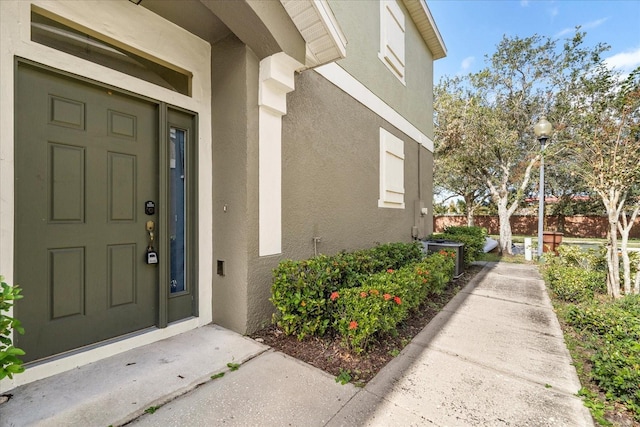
x=328, y=354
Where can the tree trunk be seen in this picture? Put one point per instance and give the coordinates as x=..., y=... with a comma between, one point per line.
x=470, y=222
x=470, y=208
x=626, y=262
x=613, y=274
x=505, y=228
x=624, y=226
x=636, y=287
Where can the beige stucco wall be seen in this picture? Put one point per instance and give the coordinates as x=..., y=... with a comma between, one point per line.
x=360, y=22
x=330, y=184
x=233, y=70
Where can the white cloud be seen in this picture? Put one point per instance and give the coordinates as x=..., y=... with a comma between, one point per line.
x=624, y=61
x=587, y=26
x=593, y=24
x=467, y=62
x=563, y=32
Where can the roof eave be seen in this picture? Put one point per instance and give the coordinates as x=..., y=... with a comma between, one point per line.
x=421, y=16
x=318, y=26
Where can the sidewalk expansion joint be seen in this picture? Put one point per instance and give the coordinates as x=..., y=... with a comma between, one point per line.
x=503, y=372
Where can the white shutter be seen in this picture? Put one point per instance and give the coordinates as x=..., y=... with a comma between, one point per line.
x=391, y=171
x=393, y=29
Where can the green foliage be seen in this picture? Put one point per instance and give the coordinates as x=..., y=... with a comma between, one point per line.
x=359, y=295
x=613, y=329
x=575, y=275
x=574, y=284
x=233, y=366
x=594, y=404
x=301, y=289
x=610, y=329
x=10, y=362
x=385, y=299
x=344, y=377
x=472, y=237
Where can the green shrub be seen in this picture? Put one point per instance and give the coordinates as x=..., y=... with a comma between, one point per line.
x=472, y=237
x=616, y=369
x=574, y=284
x=575, y=256
x=385, y=299
x=612, y=330
x=301, y=289
x=10, y=363
x=575, y=274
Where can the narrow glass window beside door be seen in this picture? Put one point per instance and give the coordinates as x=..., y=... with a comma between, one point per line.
x=177, y=138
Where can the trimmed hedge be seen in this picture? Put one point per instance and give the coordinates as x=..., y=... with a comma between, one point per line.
x=386, y=299
x=301, y=289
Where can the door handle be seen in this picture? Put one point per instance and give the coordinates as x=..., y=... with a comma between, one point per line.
x=151, y=226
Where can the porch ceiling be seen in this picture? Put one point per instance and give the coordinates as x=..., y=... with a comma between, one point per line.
x=191, y=15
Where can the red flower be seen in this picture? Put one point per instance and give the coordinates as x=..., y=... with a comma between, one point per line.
x=374, y=292
x=390, y=270
x=363, y=294
x=387, y=297
x=353, y=325
x=334, y=296
x=397, y=300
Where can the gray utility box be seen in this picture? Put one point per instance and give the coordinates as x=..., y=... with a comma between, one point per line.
x=431, y=246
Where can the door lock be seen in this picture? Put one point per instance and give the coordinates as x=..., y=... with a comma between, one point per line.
x=152, y=255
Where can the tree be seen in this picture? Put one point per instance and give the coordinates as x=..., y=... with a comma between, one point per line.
x=605, y=141
x=496, y=134
x=487, y=118
x=453, y=173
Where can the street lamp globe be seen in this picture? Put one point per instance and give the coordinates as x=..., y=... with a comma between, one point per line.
x=542, y=129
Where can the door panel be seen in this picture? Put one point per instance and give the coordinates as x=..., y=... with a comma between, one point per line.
x=86, y=160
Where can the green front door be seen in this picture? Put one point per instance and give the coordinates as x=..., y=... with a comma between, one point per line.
x=86, y=163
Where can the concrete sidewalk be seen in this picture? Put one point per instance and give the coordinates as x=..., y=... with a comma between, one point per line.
x=494, y=356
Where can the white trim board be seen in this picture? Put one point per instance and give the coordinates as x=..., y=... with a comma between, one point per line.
x=345, y=81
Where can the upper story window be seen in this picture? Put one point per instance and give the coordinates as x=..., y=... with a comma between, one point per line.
x=392, y=29
x=53, y=33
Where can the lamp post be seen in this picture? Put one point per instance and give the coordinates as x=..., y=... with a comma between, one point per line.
x=542, y=129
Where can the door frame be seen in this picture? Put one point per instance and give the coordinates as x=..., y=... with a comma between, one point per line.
x=191, y=230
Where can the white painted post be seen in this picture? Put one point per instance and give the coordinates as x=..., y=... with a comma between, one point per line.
x=527, y=249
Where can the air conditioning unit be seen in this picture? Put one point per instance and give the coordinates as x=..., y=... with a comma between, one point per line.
x=431, y=246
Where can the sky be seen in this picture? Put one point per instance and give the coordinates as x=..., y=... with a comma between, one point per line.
x=471, y=29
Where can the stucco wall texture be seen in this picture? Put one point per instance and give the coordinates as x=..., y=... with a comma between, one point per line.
x=360, y=22
x=330, y=184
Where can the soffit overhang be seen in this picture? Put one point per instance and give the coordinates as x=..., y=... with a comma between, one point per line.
x=421, y=16
x=325, y=41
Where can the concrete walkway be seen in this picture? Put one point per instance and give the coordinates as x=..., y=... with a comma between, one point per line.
x=494, y=356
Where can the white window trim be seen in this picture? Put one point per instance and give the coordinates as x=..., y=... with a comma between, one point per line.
x=391, y=188
x=393, y=60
